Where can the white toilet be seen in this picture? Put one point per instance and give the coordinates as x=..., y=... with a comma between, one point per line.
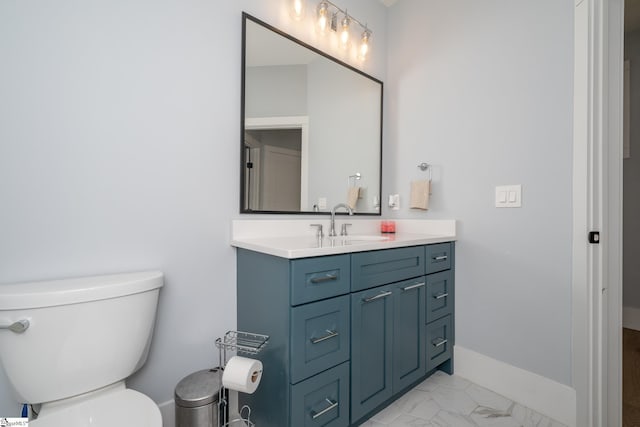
x=83, y=338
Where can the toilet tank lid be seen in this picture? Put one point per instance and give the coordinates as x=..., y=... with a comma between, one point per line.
x=49, y=293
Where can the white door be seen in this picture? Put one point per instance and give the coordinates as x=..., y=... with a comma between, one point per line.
x=280, y=179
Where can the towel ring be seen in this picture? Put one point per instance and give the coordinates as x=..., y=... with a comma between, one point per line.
x=424, y=166
x=355, y=177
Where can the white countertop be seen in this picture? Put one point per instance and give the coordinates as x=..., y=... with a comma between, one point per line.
x=296, y=238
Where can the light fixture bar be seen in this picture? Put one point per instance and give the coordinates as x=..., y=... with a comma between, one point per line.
x=351, y=17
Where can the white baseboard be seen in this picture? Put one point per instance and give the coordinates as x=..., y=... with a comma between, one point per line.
x=534, y=391
x=631, y=318
x=168, y=411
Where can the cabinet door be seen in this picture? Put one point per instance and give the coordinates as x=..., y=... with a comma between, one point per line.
x=409, y=360
x=371, y=347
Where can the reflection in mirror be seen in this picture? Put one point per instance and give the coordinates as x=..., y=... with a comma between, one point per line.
x=311, y=128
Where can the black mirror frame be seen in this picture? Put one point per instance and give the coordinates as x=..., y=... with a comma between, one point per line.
x=245, y=17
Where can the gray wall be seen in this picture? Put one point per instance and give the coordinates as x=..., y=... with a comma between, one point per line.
x=344, y=134
x=483, y=90
x=631, y=195
x=119, y=151
x=276, y=91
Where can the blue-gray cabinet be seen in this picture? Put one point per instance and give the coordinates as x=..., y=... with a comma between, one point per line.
x=372, y=345
x=349, y=333
x=409, y=351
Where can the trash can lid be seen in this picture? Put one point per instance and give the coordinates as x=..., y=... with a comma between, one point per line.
x=198, y=389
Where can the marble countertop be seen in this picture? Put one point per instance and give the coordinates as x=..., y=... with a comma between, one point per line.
x=296, y=238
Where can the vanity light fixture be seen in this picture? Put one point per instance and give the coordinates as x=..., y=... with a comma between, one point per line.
x=327, y=14
x=323, y=16
x=364, y=45
x=344, y=31
x=297, y=9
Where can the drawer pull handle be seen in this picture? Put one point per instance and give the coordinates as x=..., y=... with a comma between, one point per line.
x=417, y=285
x=330, y=334
x=442, y=295
x=440, y=258
x=380, y=295
x=323, y=279
x=438, y=342
x=332, y=405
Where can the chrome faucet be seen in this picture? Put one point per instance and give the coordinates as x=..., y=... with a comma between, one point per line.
x=332, y=227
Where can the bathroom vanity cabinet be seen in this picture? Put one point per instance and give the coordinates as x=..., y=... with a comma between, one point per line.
x=349, y=333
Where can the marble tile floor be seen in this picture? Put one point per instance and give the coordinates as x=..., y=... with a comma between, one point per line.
x=451, y=401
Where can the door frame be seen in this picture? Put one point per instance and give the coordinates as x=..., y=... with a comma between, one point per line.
x=613, y=200
x=597, y=206
x=290, y=122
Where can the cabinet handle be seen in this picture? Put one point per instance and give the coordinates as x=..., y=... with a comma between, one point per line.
x=440, y=296
x=326, y=278
x=329, y=335
x=438, y=342
x=417, y=285
x=383, y=294
x=331, y=406
x=440, y=258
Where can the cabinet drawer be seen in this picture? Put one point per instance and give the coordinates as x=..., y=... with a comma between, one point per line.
x=369, y=269
x=314, y=279
x=439, y=295
x=439, y=342
x=438, y=257
x=322, y=400
x=320, y=336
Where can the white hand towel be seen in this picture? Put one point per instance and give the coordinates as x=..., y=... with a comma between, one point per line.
x=420, y=194
x=352, y=196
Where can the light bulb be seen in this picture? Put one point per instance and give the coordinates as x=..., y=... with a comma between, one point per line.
x=344, y=32
x=323, y=16
x=297, y=9
x=364, y=45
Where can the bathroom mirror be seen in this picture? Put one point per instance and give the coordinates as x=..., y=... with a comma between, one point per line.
x=311, y=128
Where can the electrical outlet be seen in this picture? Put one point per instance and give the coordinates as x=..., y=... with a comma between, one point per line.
x=322, y=203
x=394, y=201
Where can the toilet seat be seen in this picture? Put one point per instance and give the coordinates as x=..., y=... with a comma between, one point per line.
x=122, y=408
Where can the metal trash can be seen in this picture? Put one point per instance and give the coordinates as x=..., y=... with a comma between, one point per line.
x=196, y=399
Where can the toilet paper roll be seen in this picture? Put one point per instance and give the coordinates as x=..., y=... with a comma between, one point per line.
x=242, y=374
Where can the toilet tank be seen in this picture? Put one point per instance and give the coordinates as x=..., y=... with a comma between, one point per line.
x=84, y=333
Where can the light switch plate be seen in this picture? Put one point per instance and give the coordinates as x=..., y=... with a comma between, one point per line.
x=509, y=196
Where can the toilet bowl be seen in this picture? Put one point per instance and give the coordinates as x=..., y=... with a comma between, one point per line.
x=122, y=407
x=82, y=338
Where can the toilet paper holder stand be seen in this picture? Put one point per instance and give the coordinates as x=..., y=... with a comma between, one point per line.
x=248, y=343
